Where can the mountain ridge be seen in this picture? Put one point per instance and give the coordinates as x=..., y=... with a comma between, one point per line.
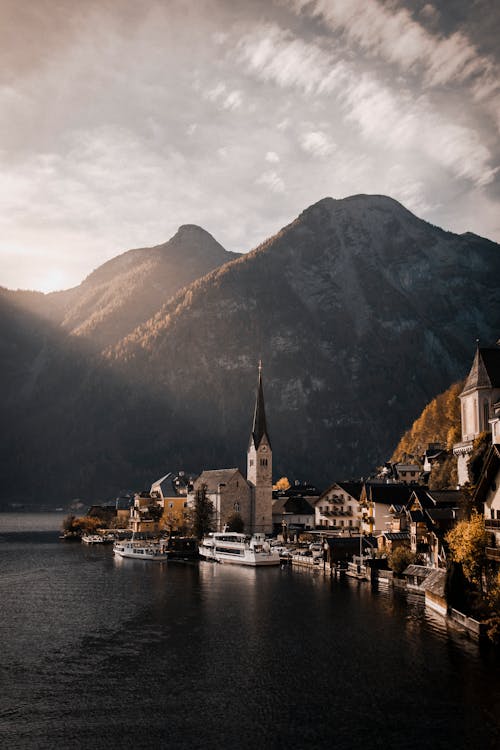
x=361, y=313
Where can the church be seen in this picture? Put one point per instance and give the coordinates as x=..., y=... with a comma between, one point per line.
x=251, y=497
x=479, y=406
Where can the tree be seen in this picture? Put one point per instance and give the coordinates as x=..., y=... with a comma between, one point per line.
x=467, y=542
x=282, y=484
x=400, y=558
x=203, y=513
x=235, y=523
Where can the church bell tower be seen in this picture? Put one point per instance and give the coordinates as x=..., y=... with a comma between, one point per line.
x=260, y=466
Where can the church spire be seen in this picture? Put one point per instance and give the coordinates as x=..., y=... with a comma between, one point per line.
x=259, y=428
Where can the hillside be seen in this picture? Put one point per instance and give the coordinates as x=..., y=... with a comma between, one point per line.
x=438, y=423
x=361, y=313
x=130, y=288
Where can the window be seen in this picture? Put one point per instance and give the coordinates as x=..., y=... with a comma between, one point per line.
x=486, y=414
x=251, y=462
x=263, y=461
x=236, y=507
x=170, y=505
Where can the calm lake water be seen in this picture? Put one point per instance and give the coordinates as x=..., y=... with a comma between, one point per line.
x=97, y=652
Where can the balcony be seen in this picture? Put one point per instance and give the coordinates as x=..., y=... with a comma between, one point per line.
x=493, y=553
x=492, y=523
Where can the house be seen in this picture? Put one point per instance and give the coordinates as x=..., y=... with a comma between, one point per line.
x=478, y=404
x=376, y=500
x=407, y=473
x=230, y=492
x=434, y=588
x=487, y=494
x=292, y=515
x=338, y=507
x=431, y=514
x=388, y=541
x=433, y=455
x=170, y=492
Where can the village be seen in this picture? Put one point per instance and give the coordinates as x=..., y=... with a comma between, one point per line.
x=390, y=529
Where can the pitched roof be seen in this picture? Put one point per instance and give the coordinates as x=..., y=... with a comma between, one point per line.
x=435, y=582
x=485, y=370
x=296, y=505
x=491, y=465
x=391, y=494
x=395, y=536
x=259, y=427
x=214, y=477
x=352, y=488
x=422, y=571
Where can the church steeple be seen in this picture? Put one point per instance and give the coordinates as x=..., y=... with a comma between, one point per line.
x=260, y=466
x=259, y=427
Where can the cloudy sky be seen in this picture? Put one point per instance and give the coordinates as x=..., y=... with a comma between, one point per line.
x=121, y=120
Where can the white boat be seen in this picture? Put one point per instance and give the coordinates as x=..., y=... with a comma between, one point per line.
x=238, y=549
x=92, y=539
x=153, y=551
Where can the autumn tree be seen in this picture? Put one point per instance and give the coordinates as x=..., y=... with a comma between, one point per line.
x=282, y=484
x=467, y=542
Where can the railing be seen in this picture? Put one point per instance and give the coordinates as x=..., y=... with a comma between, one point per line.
x=493, y=553
x=492, y=523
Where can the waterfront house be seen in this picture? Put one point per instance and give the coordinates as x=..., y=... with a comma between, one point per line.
x=229, y=492
x=431, y=514
x=376, y=500
x=338, y=507
x=487, y=494
x=292, y=515
x=434, y=588
x=170, y=492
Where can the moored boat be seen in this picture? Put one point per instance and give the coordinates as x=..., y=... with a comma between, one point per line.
x=92, y=539
x=152, y=551
x=238, y=549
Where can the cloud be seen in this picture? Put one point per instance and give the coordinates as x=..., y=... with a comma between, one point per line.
x=317, y=144
x=220, y=95
x=272, y=157
x=386, y=117
x=393, y=35
x=272, y=181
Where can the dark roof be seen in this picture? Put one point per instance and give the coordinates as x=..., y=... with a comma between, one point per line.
x=296, y=505
x=214, y=477
x=352, y=488
x=391, y=494
x=441, y=498
x=395, y=536
x=435, y=582
x=485, y=370
x=422, y=571
x=259, y=427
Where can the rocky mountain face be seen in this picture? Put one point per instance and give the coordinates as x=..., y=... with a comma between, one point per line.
x=361, y=313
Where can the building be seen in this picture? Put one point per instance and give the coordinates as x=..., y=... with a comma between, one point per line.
x=292, y=515
x=230, y=492
x=488, y=494
x=338, y=507
x=376, y=500
x=170, y=492
x=479, y=405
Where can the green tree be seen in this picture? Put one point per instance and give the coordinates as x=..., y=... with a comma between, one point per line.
x=235, y=523
x=467, y=542
x=202, y=513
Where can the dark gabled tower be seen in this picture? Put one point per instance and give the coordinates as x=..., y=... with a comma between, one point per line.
x=260, y=465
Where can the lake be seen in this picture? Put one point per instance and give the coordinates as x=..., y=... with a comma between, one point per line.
x=98, y=652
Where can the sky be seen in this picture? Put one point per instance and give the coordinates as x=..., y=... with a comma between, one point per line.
x=120, y=120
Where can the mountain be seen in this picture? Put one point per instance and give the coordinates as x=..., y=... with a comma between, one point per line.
x=127, y=290
x=361, y=313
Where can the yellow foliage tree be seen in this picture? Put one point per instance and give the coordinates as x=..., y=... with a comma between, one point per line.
x=282, y=484
x=467, y=542
x=438, y=423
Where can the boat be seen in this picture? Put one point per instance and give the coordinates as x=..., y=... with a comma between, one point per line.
x=92, y=539
x=238, y=549
x=153, y=551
